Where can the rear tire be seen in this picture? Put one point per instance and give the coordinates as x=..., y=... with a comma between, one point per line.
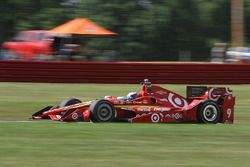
x=102, y=111
x=69, y=102
x=209, y=113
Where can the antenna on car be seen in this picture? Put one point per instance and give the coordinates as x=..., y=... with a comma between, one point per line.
x=146, y=81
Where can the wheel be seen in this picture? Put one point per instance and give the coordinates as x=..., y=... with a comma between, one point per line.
x=69, y=102
x=209, y=112
x=102, y=111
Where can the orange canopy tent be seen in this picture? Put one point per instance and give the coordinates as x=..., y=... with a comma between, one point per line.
x=82, y=26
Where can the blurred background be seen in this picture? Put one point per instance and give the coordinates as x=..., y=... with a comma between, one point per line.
x=146, y=30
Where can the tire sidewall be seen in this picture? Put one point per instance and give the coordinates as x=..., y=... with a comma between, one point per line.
x=97, y=107
x=200, y=115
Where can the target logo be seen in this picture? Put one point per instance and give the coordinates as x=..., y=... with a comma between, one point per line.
x=230, y=92
x=155, y=118
x=58, y=116
x=176, y=101
x=212, y=96
x=74, y=116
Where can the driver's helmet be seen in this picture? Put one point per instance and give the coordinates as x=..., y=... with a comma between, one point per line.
x=132, y=95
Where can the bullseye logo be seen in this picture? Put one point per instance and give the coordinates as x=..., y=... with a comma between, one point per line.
x=176, y=101
x=213, y=96
x=155, y=118
x=58, y=116
x=230, y=92
x=74, y=116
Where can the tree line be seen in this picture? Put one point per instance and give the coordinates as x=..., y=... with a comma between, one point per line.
x=149, y=30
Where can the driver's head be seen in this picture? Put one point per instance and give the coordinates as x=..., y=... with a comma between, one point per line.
x=132, y=95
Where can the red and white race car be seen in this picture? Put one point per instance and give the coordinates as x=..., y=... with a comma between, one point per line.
x=152, y=104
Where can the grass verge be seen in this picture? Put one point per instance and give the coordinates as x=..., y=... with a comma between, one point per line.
x=119, y=144
x=48, y=143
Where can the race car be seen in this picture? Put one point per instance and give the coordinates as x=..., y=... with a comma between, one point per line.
x=152, y=104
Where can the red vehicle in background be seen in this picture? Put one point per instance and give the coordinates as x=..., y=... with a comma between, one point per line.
x=38, y=44
x=29, y=44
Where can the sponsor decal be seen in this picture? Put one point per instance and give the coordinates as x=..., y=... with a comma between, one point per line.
x=74, y=116
x=176, y=101
x=137, y=102
x=118, y=102
x=161, y=109
x=144, y=109
x=161, y=92
x=155, y=118
x=192, y=104
x=213, y=96
x=140, y=115
x=127, y=102
x=58, y=116
x=164, y=100
x=127, y=108
x=229, y=91
x=77, y=106
x=161, y=115
x=174, y=116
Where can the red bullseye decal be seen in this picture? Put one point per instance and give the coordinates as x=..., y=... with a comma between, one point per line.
x=74, y=116
x=177, y=101
x=230, y=92
x=212, y=96
x=155, y=118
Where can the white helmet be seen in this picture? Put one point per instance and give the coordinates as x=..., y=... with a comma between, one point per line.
x=132, y=95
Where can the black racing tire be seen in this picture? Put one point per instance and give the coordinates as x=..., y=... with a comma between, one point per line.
x=69, y=102
x=102, y=111
x=209, y=113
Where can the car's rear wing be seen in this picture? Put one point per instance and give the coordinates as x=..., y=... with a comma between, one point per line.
x=195, y=91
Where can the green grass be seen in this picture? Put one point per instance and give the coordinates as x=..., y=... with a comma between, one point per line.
x=73, y=144
x=49, y=143
x=20, y=100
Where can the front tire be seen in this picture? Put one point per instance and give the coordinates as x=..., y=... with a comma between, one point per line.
x=69, y=102
x=209, y=113
x=102, y=111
